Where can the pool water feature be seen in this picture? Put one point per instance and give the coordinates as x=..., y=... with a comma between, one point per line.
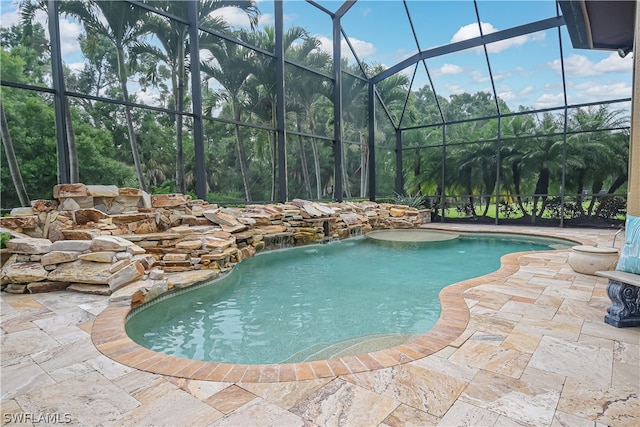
x=321, y=301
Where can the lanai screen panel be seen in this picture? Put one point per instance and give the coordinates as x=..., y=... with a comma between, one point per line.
x=527, y=82
x=34, y=142
x=423, y=107
x=317, y=27
x=379, y=32
x=594, y=76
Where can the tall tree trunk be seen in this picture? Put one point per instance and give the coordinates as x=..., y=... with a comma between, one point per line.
x=542, y=188
x=621, y=179
x=595, y=189
x=581, y=174
x=489, y=177
x=243, y=168
x=122, y=74
x=364, y=171
x=179, y=95
x=316, y=157
x=73, y=148
x=515, y=170
x=303, y=161
x=274, y=152
x=12, y=162
x=438, y=201
x=346, y=190
x=274, y=168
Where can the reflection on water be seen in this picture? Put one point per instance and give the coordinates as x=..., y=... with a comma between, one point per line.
x=278, y=304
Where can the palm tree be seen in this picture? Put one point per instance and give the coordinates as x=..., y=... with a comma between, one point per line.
x=33, y=35
x=511, y=154
x=263, y=79
x=230, y=67
x=354, y=104
x=304, y=89
x=594, y=147
x=474, y=162
x=544, y=155
x=121, y=23
x=393, y=93
x=173, y=38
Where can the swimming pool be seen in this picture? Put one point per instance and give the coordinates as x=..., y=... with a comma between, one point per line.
x=321, y=301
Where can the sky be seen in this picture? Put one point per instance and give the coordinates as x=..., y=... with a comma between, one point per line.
x=526, y=69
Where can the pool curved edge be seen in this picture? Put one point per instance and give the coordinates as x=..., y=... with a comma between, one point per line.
x=110, y=338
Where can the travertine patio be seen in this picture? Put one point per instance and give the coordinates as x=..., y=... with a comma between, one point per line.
x=535, y=351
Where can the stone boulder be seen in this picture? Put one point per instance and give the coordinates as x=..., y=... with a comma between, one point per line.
x=81, y=272
x=169, y=200
x=128, y=274
x=46, y=286
x=70, y=190
x=58, y=257
x=24, y=272
x=71, y=245
x=84, y=216
x=29, y=245
x=109, y=243
x=90, y=289
x=220, y=217
x=19, y=222
x=103, y=190
x=102, y=256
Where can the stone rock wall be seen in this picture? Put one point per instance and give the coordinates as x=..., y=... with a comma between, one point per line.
x=132, y=246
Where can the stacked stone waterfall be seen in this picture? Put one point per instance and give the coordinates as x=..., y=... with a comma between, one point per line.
x=134, y=246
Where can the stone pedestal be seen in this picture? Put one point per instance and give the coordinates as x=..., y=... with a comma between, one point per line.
x=589, y=259
x=625, y=304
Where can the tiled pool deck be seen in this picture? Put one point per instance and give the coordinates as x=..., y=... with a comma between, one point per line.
x=526, y=345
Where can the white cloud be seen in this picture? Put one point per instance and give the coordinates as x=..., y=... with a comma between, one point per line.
x=7, y=19
x=454, y=89
x=600, y=90
x=233, y=16
x=362, y=48
x=69, y=30
x=69, y=33
x=267, y=20
x=473, y=30
x=549, y=100
x=581, y=66
x=507, y=95
x=447, y=70
x=466, y=32
x=505, y=92
x=551, y=87
x=478, y=77
x=501, y=76
x=75, y=67
x=527, y=90
x=523, y=72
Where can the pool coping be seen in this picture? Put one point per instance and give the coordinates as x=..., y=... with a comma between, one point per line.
x=110, y=338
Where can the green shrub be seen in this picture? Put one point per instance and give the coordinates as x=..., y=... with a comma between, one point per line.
x=417, y=201
x=4, y=238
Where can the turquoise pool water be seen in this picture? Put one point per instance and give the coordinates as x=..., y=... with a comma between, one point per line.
x=320, y=301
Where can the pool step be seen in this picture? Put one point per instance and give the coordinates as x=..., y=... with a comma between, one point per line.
x=349, y=347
